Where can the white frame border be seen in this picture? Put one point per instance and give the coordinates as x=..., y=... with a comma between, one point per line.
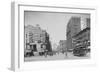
x=17, y=40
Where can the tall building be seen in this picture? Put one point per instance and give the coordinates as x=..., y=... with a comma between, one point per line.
x=62, y=46
x=35, y=38
x=75, y=26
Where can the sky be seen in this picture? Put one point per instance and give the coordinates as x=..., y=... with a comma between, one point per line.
x=54, y=23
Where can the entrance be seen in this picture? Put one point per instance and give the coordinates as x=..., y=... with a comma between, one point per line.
x=34, y=47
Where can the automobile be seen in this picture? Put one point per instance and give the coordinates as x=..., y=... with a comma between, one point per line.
x=28, y=52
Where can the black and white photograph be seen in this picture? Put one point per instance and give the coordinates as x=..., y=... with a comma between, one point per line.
x=56, y=36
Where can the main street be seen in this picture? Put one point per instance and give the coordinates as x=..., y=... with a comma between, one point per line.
x=59, y=56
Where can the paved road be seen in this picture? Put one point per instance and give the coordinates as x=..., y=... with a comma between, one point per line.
x=55, y=57
x=71, y=56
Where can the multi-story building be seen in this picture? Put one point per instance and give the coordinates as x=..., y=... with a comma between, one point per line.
x=75, y=26
x=62, y=46
x=35, y=38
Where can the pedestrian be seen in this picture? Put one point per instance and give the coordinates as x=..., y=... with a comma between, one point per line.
x=45, y=53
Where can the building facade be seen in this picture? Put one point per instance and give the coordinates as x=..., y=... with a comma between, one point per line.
x=62, y=46
x=35, y=38
x=75, y=26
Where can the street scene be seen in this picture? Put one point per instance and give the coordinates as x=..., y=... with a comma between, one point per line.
x=56, y=36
